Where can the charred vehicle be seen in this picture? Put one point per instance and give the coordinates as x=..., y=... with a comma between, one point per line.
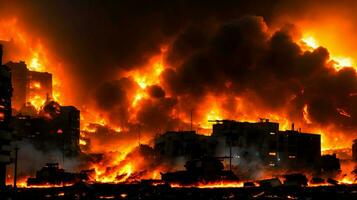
x=51, y=174
x=204, y=170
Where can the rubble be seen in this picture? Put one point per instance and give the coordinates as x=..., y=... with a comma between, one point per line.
x=145, y=191
x=295, y=180
x=273, y=182
x=52, y=175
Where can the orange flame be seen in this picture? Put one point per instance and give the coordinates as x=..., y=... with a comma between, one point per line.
x=39, y=59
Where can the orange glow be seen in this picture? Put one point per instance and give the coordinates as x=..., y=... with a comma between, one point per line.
x=48, y=185
x=35, y=85
x=306, y=114
x=116, y=168
x=82, y=142
x=146, y=76
x=138, y=96
x=37, y=101
x=347, y=176
x=309, y=42
x=35, y=54
x=221, y=184
x=150, y=74
x=35, y=64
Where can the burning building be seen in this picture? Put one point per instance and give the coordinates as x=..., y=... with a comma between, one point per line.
x=264, y=141
x=185, y=144
x=69, y=124
x=44, y=122
x=57, y=127
x=245, y=142
x=5, y=117
x=29, y=86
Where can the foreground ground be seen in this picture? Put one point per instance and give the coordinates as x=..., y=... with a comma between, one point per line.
x=141, y=191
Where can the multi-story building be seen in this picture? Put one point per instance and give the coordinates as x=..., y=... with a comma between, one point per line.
x=29, y=86
x=55, y=130
x=245, y=143
x=69, y=120
x=5, y=117
x=184, y=144
x=250, y=141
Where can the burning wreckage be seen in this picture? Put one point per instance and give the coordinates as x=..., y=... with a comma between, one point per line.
x=51, y=174
x=246, y=143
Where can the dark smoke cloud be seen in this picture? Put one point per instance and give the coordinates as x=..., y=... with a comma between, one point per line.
x=98, y=38
x=156, y=91
x=111, y=97
x=154, y=114
x=274, y=68
x=215, y=47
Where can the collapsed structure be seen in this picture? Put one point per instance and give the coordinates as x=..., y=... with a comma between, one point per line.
x=51, y=173
x=245, y=143
x=37, y=117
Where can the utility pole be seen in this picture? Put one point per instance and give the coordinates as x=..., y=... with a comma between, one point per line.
x=230, y=154
x=15, y=166
x=191, y=119
x=139, y=135
x=63, y=150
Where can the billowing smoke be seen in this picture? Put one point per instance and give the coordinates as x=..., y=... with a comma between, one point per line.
x=245, y=58
x=28, y=153
x=103, y=38
x=241, y=58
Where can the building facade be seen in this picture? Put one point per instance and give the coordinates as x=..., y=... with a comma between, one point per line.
x=5, y=118
x=56, y=128
x=245, y=143
x=29, y=86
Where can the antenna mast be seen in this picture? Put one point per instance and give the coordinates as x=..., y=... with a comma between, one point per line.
x=191, y=119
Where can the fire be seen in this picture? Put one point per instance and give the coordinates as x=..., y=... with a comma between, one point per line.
x=343, y=62
x=35, y=64
x=37, y=101
x=213, y=114
x=82, y=142
x=116, y=176
x=147, y=76
x=310, y=43
x=116, y=168
x=126, y=171
x=220, y=184
x=306, y=114
x=138, y=96
x=48, y=186
x=37, y=57
x=35, y=85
